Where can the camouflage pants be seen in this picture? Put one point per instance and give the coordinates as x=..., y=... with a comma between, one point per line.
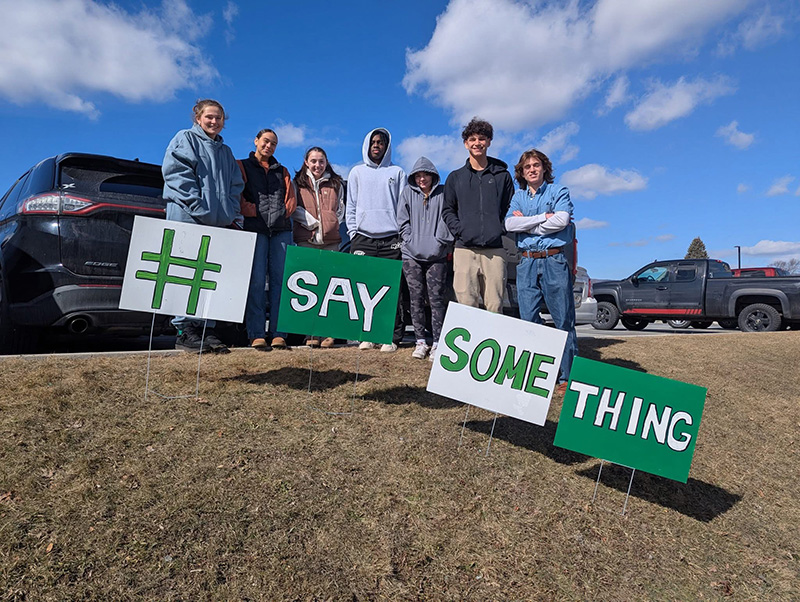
x=426, y=280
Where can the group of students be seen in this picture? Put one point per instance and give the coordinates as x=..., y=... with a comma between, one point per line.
x=414, y=218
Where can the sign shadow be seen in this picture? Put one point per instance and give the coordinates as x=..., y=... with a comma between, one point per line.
x=530, y=436
x=297, y=378
x=695, y=499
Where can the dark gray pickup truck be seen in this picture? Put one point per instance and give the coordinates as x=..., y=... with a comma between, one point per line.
x=700, y=290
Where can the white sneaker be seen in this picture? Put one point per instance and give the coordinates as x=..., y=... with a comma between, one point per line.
x=365, y=345
x=387, y=348
x=420, y=351
x=432, y=354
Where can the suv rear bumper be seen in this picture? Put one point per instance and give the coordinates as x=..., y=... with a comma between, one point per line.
x=85, y=309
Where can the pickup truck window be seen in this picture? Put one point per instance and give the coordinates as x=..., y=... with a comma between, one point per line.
x=685, y=273
x=657, y=273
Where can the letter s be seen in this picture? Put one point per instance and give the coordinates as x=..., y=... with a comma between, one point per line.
x=306, y=277
x=462, y=358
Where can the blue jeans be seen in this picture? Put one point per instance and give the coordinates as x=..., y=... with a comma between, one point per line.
x=549, y=279
x=176, y=214
x=268, y=261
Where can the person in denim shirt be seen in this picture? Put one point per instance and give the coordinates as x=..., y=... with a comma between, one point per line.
x=541, y=216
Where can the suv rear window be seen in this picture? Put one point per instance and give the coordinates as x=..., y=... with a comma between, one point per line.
x=111, y=179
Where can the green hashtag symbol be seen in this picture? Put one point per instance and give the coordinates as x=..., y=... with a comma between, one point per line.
x=162, y=276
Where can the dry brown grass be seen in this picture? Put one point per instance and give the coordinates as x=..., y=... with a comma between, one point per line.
x=252, y=495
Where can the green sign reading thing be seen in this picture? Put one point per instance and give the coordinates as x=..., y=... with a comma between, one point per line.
x=339, y=295
x=631, y=418
x=162, y=277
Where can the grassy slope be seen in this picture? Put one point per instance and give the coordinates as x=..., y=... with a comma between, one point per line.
x=254, y=495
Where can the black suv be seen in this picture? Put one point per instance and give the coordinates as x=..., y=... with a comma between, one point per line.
x=65, y=227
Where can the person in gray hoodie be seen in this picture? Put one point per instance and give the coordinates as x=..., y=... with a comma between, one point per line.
x=202, y=185
x=426, y=243
x=373, y=191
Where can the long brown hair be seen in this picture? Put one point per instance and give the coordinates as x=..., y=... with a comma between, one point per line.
x=533, y=154
x=301, y=177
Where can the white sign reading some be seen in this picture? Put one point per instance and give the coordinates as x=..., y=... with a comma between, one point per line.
x=497, y=363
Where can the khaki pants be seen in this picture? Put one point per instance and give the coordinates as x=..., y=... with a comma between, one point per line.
x=480, y=275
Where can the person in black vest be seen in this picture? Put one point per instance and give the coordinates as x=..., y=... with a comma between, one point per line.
x=268, y=202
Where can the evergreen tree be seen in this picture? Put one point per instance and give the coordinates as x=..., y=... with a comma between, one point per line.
x=697, y=250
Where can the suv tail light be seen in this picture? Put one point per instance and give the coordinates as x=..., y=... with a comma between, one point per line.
x=54, y=203
x=67, y=204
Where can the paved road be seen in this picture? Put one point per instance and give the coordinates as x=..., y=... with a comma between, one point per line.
x=654, y=329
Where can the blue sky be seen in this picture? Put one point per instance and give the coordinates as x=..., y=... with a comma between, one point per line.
x=667, y=119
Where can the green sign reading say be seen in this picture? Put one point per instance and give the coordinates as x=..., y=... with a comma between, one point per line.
x=339, y=295
x=632, y=418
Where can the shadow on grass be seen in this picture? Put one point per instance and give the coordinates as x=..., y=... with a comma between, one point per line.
x=591, y=350
x=695, y=499
x=530, y=436
x=407, y=394
x=297, y=378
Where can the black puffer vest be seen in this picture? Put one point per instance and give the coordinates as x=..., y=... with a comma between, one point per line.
x=266, y=188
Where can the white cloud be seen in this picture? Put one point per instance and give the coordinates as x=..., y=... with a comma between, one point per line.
x=772, y=247
x=742, y=188
x=290, y=134
x=62, y=53
x=535, y=60
x=761, y=30
x=617, y=95
x=780, y=186
x=557, y=140
x=446, y=152
x=664, y=103
x=592, y=179
x=665, y=237
x=734, y=137
x=229, y=14
x=797, y=192
x=586, y=223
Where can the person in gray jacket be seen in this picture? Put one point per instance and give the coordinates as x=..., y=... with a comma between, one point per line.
x=426, y=242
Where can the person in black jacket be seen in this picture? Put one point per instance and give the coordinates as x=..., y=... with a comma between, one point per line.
x=476, y=200
x=268, y=202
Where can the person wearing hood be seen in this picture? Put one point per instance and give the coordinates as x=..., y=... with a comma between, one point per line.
x=268, y=202
x=476, y=199
x=201, y=186
x=426, y=242
x=320, y=211
x=373, y=191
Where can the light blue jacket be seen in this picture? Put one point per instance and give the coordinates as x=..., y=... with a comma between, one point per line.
x=549, y=198
x=202, y=183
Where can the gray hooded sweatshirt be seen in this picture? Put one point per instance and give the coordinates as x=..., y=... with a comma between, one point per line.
x=424, y=235
x=373, y=192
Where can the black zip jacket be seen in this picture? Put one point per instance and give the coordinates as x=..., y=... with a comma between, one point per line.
x=476, y=203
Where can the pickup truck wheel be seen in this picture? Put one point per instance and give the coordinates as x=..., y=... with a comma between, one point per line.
x=607, y=316
x=634, y=323
x=701, y=324
x=759, y=317
x=730, y=324
x=679, y=323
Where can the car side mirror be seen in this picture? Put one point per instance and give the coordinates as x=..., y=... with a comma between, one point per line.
x=634, y=280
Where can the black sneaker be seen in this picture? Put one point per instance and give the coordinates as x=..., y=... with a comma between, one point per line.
x=190, y=340
x=214, y=343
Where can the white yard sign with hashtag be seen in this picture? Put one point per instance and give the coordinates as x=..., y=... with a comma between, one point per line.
x=187, y=270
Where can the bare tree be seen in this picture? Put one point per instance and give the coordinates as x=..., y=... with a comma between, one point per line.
x=790, y=265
